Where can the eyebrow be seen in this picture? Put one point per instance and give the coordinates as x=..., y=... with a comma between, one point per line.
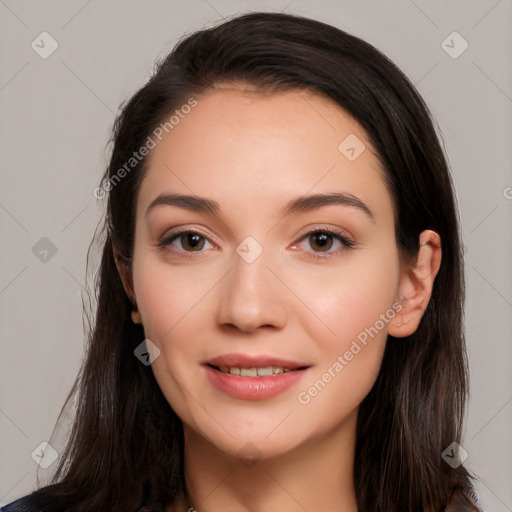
x=298, y=205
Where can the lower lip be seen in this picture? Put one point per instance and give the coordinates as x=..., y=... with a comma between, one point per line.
x=252, y=388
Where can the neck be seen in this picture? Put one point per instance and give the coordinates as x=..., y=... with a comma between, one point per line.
x=317, y=475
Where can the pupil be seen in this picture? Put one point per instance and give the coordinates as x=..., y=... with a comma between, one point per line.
x=322, y=241
x=193, y=241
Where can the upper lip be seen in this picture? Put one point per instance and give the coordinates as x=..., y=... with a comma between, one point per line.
x=254, y=361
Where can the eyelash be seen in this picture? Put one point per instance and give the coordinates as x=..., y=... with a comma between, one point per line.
x=347, y=243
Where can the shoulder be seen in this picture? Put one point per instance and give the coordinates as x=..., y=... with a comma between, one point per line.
x=43, y=501
x=463, y=500
x=28, y=503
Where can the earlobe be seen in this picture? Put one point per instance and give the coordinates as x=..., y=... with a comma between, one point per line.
x=416, y=284
x=136, y=319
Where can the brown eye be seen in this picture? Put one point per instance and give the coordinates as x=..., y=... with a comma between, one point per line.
x=186, y=241
x=324, y=243
x=192, y=241
x=320, y=242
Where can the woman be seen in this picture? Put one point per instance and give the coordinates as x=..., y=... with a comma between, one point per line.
x=279, y=313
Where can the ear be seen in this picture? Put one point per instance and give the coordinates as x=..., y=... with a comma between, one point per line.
x=124, y=269
x=415, y=287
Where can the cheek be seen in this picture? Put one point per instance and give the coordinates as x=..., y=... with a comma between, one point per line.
x=342, y=301
x=175, y=303
x=171, y=300
x=355, y=302
x=167, y=295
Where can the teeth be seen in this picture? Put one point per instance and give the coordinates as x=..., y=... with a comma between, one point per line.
x=254, y=372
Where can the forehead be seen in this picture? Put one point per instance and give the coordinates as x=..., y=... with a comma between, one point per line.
x=241, y=147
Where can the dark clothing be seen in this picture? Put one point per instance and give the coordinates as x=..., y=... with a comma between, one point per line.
x=460, y=501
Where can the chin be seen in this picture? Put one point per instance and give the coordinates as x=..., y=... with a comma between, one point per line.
x=249, y=441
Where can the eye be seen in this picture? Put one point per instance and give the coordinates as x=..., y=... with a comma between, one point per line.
x=186, y=241
x=321, y=243
x=324, y=243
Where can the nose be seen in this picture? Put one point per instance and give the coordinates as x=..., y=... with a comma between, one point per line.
x=252, y=298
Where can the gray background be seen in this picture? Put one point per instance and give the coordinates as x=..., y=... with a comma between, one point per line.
x=56, y=114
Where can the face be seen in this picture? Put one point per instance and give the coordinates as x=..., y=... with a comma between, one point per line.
x=268, y=293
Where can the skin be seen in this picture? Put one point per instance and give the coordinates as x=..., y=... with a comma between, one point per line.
x=253, y=153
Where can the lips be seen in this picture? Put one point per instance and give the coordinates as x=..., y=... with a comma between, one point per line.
x=253, y=377
x=263, y=371
x=254, y=361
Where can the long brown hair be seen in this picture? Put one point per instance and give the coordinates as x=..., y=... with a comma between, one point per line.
x=125, y=432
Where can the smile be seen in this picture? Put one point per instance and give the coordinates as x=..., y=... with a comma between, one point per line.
x=264, y=371
x=252, y=377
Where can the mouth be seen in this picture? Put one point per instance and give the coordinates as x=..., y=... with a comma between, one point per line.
x=255, y=371
x=253, y=377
